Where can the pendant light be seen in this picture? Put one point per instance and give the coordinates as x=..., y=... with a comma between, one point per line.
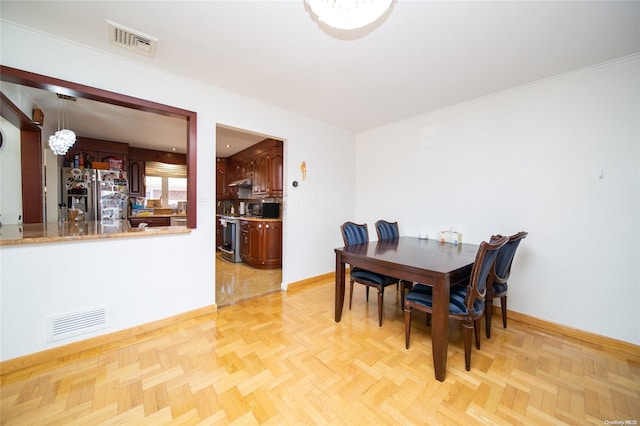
x=348, y=14
x=63, y=139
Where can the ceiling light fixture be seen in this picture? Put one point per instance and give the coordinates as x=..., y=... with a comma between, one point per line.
x=63, y=139
x=348, y=14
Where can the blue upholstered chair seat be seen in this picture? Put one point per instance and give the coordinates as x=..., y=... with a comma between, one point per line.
x=499, y=288
x=423, y=294
x=372, y=277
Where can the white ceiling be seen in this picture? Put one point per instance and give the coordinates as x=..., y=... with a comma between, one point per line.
x=421, y=56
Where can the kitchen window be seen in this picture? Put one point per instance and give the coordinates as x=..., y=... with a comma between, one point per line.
x=167, y=182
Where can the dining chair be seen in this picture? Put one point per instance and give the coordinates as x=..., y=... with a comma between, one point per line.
x=466, y=303
x=352, y=234
x=387, y=231
x=498, y=276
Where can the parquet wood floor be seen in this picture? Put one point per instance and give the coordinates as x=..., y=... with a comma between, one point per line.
x=281, y=359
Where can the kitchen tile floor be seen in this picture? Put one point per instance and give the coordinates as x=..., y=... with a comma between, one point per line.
x=238, y=281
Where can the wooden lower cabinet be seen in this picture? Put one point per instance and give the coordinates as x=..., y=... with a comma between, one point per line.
x=219, y=234
x=261, y=243
x=150, y=221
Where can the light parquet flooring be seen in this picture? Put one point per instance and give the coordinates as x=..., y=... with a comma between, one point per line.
x=281, y=359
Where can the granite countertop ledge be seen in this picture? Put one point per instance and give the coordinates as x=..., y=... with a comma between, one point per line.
x=42, y=233
x=251, y=218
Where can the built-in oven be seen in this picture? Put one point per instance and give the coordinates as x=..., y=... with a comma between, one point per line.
x=230, y=247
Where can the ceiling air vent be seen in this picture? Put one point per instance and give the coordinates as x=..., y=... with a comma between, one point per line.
x=138, y=42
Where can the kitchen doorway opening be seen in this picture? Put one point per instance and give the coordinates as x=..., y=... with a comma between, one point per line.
x=249, y=184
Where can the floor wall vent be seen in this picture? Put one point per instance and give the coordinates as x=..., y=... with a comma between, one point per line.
x=133, y=40
x=74, y=323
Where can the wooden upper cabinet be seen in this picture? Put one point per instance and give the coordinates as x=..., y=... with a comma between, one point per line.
x=222, y=188
x=136, y=178
x=262, y=162
x=244, y=169
x=261, y=175
x=232, y=173
x=276, y=185
x=99, y=150
x=267, y=169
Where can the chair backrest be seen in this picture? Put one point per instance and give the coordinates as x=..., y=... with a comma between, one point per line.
x=354, y=233
x=387, y=230
x=502, y=267
x=485, y=259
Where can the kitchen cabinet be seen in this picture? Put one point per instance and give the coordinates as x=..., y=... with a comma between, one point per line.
x=222, y=188
x=237, y=169
x=244, y=169
x=244, y=240
x=262, y=163
x=267, y=172
x=261, y=175
x=150, y=221
x=275, y=171
x=99, y=150
x=136, y=178
x=219, y=236
x=261, y=243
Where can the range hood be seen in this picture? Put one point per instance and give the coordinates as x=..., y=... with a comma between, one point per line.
x=246, y=182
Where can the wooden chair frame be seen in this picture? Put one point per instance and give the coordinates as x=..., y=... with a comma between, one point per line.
x=471, y=319
x=494, y=278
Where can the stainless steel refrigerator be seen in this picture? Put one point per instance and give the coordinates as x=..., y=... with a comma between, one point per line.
x=101, y=195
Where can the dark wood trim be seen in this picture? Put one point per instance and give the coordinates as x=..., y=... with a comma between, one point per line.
x=15, y=116
x=32, y=181
x=192, y=170
x=40, y=81
x=30, y=159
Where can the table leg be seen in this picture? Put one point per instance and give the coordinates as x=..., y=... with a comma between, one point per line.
x=340, y=283
x=440, y=327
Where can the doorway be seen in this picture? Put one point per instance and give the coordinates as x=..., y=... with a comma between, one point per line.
x=240, y=183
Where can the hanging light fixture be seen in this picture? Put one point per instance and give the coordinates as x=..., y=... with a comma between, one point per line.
x=63, y=139
x=348, y=14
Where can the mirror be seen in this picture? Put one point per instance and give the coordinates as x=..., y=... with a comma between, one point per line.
x=127, y=111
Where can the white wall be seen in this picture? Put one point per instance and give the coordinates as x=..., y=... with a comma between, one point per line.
x=146, y=279
x=529, y=159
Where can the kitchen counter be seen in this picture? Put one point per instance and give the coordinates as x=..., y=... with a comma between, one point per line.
x=41, y=233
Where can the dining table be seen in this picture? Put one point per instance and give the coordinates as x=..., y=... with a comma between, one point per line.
x=426, y=261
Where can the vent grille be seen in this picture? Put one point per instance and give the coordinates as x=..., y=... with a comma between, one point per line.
x=133, y=40
x=75, y=323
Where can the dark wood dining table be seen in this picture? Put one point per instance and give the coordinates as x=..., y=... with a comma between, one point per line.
x=425, y=261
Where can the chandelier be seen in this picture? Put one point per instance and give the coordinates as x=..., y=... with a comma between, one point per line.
x=63, y=139
x=348, y=14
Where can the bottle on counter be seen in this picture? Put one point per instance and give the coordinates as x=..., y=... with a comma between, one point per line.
x=62, y=213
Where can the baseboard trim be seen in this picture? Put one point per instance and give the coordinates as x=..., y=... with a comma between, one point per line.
x=134, y=334
x=297, y=285
x=586, y=336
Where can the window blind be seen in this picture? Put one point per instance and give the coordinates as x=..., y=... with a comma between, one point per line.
x=154, y=168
